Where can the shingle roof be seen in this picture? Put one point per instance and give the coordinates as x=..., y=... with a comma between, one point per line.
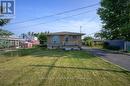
x=66, y=33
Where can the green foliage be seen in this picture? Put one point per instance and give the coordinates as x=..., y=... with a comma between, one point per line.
x=98, y=35
x=5, y=33
x=115, y=15
x=87, y=38
x=42, y=38
x=37, y=67
x=4, y=21
x=88, y=41
x=4, y=44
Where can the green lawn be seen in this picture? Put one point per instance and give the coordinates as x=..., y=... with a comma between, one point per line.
x=36, y=67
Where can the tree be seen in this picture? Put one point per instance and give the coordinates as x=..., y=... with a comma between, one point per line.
x=98, y=35
x=115, y=16
x=5, y=33
x=23, y=36
x=4, y=22
x=42, y=38
x=87, y=38
x=88, y=41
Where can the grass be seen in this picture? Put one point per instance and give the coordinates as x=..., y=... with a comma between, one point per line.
x=37, y=67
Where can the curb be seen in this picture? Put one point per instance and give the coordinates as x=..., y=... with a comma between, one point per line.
x=115, y=64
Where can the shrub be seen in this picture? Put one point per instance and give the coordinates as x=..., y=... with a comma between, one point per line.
x=89, y=43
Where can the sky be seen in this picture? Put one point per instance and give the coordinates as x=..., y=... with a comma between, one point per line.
x=31, y=9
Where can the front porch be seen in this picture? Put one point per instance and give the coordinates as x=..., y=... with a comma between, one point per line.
x=64, y=45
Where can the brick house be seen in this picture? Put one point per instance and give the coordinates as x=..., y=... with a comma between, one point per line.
x=64, y=40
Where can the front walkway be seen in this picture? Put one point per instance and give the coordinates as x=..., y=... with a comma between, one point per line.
x=118, y=59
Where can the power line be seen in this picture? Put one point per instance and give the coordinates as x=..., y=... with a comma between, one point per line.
x=92, y=33
x=61, y=13
x=57, y=19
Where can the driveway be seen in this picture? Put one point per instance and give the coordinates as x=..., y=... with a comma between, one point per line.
x=119, y=59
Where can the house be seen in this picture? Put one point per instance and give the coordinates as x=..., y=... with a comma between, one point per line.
x=27, y=45
x=35, y=41
x=64, y=40
x=30, y=41
x=10, y=42
x=97, y=42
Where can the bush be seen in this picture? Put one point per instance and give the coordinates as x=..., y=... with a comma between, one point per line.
x=41, y=46
x=89, y=43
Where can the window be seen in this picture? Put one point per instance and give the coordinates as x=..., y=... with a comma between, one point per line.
x=66, y=39
x=55, y=39
x=74, y=37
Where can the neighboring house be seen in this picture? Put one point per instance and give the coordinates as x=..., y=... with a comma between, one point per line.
x=10, y=42
x=64, y=40
x=98, y=42
x=28, y=45
x=30, y=40
x=35, y=41
x=16, y=42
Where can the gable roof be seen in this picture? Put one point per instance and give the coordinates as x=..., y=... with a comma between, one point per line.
x=66, y=33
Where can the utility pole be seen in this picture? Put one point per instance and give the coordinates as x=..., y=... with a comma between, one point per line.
x=80, y=29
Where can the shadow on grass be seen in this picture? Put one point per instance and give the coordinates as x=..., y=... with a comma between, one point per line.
x=42, y=83
x=82, y=68
x=41, y=53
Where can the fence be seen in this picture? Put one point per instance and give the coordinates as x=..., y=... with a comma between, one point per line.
x=127, y=46
x=116, y=43
x=123, y=45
